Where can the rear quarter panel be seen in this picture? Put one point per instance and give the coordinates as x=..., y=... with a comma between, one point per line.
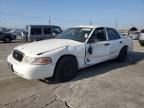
x=129, y=42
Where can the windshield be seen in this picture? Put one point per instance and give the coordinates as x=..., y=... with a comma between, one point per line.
x=77, y=34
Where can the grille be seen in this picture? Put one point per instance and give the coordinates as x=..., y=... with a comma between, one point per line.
x=18, y=55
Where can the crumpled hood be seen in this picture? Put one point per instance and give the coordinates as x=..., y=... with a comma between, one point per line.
x=39, y=47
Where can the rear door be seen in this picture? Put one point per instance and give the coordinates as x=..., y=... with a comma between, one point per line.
x=97, y=47
x=35, y=33
x=116, y=42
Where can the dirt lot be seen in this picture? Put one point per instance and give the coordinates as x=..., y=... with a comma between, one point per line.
x=106, y=85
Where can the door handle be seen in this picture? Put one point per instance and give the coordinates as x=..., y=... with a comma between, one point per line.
x=106, y=44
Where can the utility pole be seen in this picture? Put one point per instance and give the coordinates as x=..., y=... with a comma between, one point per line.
x=132, y=24
x=116, y=24
x=90, y=22
x=49, y=20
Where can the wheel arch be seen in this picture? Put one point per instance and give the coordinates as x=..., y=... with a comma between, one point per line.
x=125, y=46
x=7, y=36
x=66, y=55
x=121, y=58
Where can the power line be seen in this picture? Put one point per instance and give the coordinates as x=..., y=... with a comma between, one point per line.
x=49, y=18
x=20, y=15
x=37, y=17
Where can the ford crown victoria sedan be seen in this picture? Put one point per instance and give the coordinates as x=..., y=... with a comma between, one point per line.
x=74, y=49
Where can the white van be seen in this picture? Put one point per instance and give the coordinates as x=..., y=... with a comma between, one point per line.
x=40, y=32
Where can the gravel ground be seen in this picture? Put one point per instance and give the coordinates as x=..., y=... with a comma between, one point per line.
x=106, y=85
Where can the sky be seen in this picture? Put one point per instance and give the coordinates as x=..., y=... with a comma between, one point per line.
x=68, y=13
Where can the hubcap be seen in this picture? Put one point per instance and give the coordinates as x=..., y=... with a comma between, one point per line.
x=7, y=39
x=67, y=70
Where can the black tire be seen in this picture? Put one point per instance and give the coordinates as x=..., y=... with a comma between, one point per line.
x=66, y=69
x=122, y=55
x=7, y=39
x=142, y=44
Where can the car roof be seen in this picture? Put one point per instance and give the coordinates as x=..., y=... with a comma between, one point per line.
x=86, y=26
x=90, y=26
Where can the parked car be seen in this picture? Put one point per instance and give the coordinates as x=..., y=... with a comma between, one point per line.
x=141, y=39
x=17, y=32
x=40, y=32
x=73, y=49
x=125, y=34
x=135, y=35
x=7, y=37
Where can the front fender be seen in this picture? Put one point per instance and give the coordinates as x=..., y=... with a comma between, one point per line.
x=77, y=51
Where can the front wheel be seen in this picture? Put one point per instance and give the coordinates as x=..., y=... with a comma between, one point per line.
x=7, y=39
x=122, y=55
x=66, y=69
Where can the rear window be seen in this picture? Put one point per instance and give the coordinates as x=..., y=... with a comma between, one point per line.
x=112, y=34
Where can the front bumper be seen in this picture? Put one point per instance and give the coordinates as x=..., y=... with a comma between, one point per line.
x=29, y=71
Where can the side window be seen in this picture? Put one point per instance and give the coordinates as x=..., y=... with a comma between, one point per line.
x=57, y=30
x=112, y=34
x=35, y=31
x=47, y=30
x=98, y=35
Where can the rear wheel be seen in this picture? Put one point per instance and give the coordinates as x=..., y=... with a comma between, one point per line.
x=66, y=69
x=122, y=55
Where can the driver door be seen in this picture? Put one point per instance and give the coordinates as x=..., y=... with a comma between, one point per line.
x=97, y=47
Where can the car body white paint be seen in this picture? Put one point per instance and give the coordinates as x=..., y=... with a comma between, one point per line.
x=56, y=48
